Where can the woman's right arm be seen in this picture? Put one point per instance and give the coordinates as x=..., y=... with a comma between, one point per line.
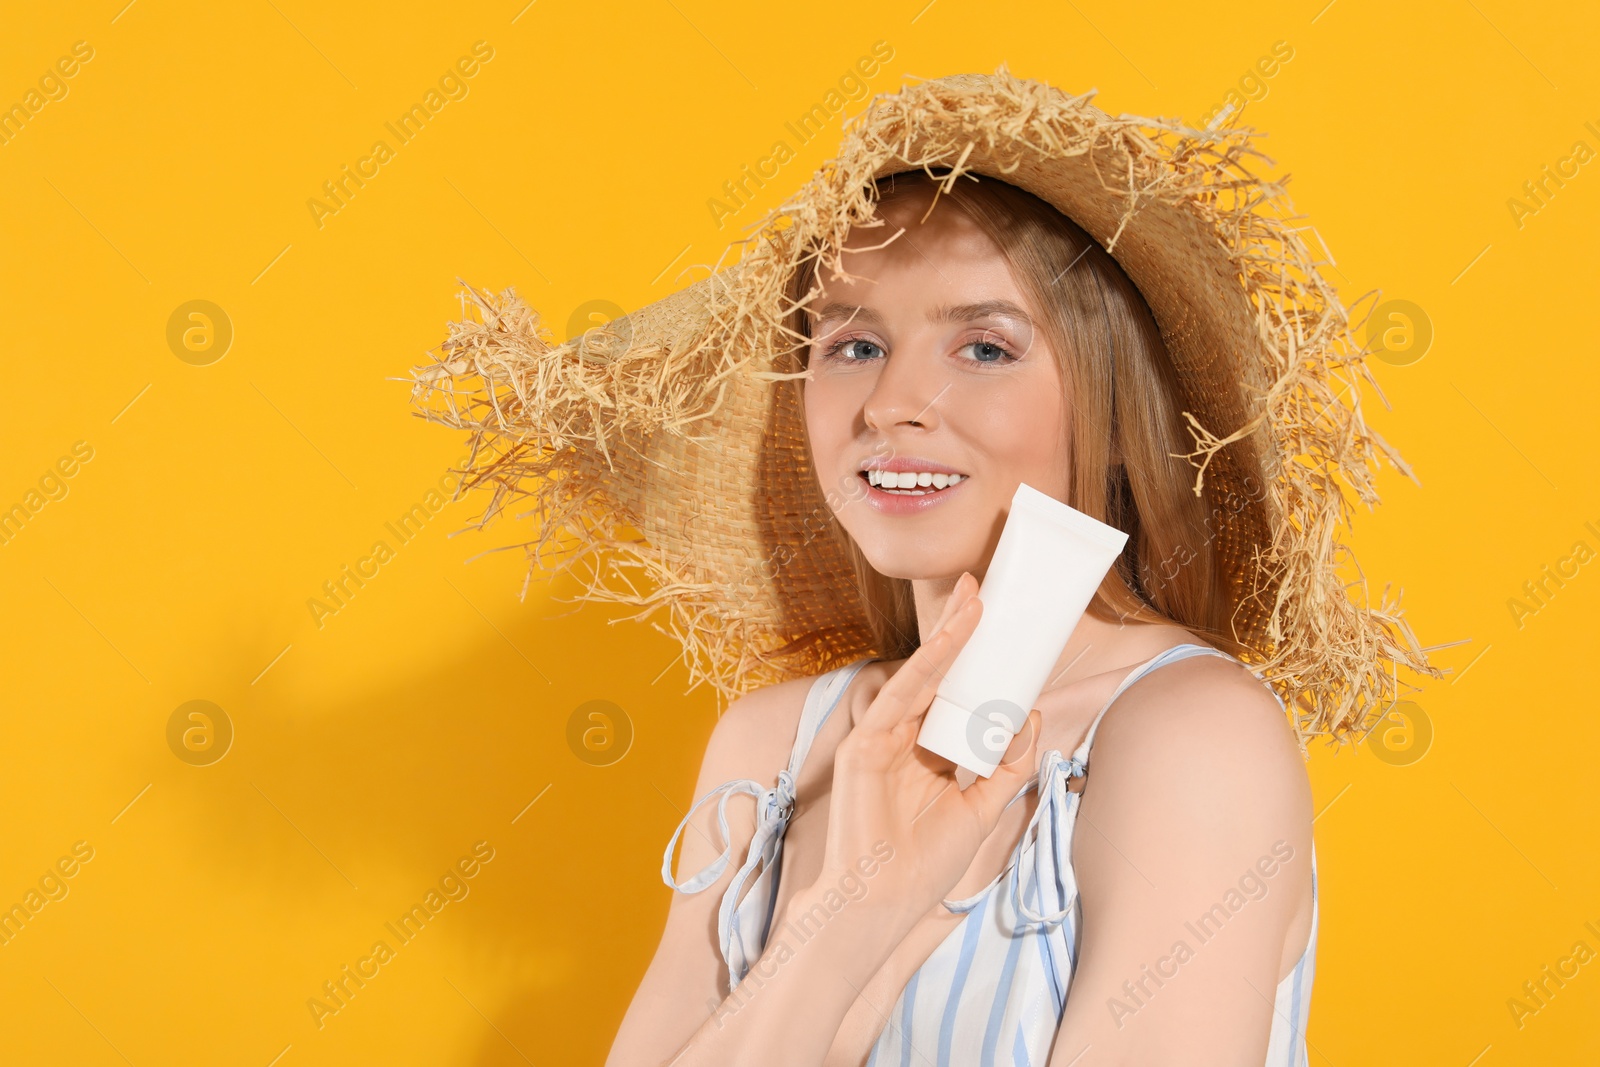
x=679, y=1014
x=891, y=802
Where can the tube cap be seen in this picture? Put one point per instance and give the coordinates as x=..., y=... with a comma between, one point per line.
x=953, y=732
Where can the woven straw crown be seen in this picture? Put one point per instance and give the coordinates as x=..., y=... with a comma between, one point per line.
x=669, y=423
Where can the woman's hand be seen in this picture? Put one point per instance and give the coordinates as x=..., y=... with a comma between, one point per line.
x=886, y=788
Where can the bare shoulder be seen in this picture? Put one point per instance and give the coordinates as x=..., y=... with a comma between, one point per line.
x=758, y=728
x=1208, y=713
x=1195, y=771
x=1208, y=691
x=751, y=740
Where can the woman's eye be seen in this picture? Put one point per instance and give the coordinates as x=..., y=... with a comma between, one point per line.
x=989, y=352
x=865, y=350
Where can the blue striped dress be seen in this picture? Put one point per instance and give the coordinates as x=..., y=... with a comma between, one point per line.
x=994, y=990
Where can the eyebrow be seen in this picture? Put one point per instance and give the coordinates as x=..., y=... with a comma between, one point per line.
x=943, y=313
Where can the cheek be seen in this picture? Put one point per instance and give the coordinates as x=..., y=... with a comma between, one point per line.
x=1027, y=427
x=827, y=430
x=833, y=414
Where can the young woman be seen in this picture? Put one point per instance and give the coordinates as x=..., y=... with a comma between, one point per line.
x=993, y=283
x=946, y=355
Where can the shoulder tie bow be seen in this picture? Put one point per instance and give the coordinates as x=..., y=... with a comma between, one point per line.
x=1044, y=841
x=774, y=809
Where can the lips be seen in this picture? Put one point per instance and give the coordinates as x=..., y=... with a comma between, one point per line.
x=912, y=500
x=899, y=464
x=906, y=485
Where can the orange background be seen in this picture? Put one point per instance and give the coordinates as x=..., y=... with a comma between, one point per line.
x=371, y=753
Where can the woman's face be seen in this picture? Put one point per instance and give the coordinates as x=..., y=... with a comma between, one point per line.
x=929, y=361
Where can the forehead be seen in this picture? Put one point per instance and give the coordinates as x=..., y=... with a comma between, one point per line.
x=942, y=259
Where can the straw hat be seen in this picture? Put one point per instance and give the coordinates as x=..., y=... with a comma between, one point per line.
x=668, y=423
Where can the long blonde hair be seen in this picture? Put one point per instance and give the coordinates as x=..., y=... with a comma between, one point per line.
x=1126, y=438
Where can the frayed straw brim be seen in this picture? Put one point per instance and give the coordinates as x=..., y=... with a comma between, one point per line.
x=668, y=422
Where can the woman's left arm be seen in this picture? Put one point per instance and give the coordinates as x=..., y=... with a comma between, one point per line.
x=1193, y=857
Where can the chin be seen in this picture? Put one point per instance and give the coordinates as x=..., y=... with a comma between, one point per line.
x=917, y=566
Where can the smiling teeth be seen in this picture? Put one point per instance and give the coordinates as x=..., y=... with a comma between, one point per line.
x=911, y=479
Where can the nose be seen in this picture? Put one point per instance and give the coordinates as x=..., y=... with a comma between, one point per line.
x=907, y=392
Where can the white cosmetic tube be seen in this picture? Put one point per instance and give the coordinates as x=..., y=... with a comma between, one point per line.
x=1050, y=560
